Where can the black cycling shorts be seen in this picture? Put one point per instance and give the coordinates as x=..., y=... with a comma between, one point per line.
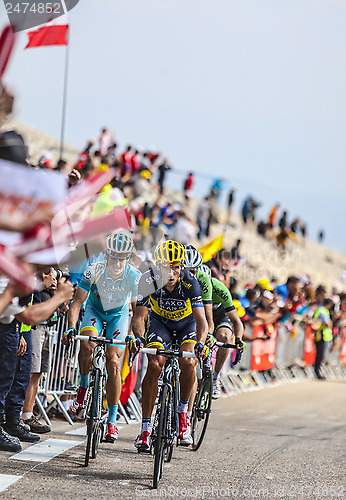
x=159, y=336
x=221, y=320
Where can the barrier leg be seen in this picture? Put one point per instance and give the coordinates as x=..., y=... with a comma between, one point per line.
x=135, y=412
x=42, y=410
x=123, y=412
x=61, y=406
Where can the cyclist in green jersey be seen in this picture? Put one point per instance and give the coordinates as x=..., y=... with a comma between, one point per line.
x=225, y=321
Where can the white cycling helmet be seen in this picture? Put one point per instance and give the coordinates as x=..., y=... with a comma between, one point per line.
x=193, y=258
x=119, y=245
x=205, y=269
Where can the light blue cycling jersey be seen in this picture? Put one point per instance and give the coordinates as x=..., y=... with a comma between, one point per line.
x=105, y=294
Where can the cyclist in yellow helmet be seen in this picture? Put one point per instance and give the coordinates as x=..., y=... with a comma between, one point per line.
x=174, y=298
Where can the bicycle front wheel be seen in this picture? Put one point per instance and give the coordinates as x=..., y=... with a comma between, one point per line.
x=97, y=419
x=201, y=409
x=160, y=441
x=91, y=414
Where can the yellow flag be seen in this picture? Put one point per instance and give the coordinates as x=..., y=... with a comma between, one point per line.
x=125, y=369
x=210, y=249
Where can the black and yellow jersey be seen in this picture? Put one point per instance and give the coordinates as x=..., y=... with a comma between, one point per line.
x=172, y=308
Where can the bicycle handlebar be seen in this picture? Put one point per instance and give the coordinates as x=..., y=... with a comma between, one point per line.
x=160, y=352
x=101, y=340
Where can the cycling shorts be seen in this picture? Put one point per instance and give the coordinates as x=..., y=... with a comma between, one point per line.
x=159, y=336
x=221, y=320
x=117, y=324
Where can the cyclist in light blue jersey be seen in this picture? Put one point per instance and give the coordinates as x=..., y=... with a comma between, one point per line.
x=109, y=287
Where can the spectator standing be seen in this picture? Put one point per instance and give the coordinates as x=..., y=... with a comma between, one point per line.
x=283, y=221
x=163, y=169
x=41, y=354
x=246, y=209
x=273, y=215
x=323, y=334
x=15, y=362
x=320, y=236
x=104, y=141
x=188, y=186
x=230, y=201
x=203, y=212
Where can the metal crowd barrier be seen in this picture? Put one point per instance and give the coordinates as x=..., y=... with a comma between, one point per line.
x=290, y=360
x=293, y=356
x=66, y=372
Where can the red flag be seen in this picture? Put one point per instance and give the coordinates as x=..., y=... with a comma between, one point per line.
x=48, y=35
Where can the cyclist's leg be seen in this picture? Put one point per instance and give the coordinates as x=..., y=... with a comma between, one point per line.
x=223, y=333
x=117, y=328
x=187, y=339
x=157, y=336
x=91, y=326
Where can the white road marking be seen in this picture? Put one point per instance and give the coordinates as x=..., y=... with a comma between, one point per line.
x=81, y=431
x=46, y=450
x=6, y=480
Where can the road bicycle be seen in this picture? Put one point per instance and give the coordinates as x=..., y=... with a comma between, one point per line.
x=166, y=422
x=93, y=412
x=202, y=403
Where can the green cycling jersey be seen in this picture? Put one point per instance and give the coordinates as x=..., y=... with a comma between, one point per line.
x=214, y=291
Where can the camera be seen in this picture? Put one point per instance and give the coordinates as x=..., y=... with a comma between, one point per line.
x=58, y=274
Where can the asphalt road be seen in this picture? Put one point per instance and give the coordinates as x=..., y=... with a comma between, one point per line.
x=280, y=442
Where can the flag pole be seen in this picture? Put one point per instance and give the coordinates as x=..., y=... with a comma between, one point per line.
x=64, y=101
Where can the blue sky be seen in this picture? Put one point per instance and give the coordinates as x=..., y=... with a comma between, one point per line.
x=251, y=90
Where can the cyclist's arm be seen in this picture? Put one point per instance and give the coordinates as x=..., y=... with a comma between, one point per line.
x=139, y=321
x=208, y=309
x=77, y=303
x=201, y=324
x=238, y=327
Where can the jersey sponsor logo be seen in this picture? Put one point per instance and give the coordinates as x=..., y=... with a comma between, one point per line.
x=104, y=283
x=203, y=285
x=151, y=279
x=87, y=274
x=186, y=285
x=93, y=321
x=116, y=334
x=140, y=298
x=137, y=280
x=223, y=295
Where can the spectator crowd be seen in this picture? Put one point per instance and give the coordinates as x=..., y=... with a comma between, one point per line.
x=138, y=181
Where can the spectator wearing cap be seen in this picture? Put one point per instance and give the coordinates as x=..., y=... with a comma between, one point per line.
x=45, y=161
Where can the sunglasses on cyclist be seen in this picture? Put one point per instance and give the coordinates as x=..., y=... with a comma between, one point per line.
x=117, y=256
x=173, y=265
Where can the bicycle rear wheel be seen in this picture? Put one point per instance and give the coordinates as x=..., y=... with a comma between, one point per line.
x=91, y=413
x=160, y=441
x=201, y=409
x=97, y=419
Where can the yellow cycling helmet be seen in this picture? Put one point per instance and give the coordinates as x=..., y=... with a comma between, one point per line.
x=169, y=252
